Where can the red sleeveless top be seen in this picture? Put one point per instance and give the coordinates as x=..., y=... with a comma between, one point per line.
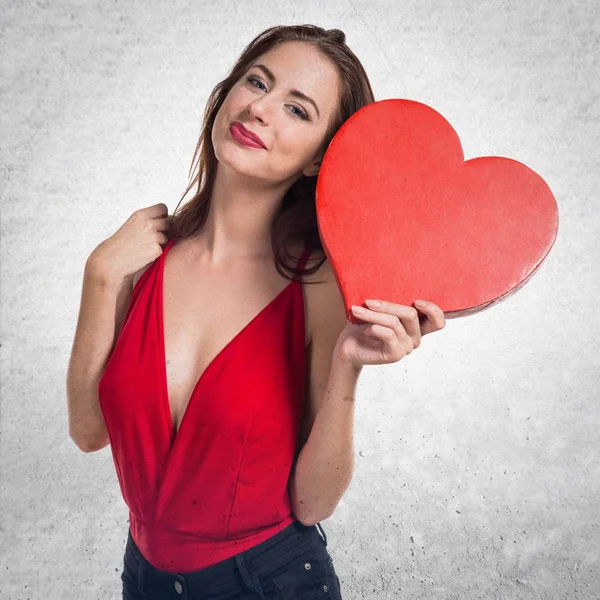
x=220, y=484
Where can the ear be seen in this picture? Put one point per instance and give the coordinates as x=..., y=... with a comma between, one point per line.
x=313, y=168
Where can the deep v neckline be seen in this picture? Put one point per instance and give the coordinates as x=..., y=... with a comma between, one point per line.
x=162, y=348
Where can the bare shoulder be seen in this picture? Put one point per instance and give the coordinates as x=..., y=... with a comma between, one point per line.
x=325, y=310
x=322, y=281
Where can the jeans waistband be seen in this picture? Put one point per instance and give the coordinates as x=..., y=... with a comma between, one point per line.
x=227, y=571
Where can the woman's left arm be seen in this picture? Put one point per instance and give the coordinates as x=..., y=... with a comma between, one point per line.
x=323, y=469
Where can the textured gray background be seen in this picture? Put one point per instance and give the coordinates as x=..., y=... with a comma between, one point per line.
x=477, y=456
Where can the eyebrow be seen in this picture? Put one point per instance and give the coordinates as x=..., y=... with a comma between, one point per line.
x=295, y=93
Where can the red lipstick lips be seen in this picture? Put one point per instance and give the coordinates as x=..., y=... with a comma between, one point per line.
x=245, y=136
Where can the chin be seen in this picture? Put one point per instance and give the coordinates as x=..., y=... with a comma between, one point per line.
x=235, y=162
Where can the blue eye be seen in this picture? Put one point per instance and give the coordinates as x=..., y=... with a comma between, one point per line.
x=302, y=114
x=253, y=79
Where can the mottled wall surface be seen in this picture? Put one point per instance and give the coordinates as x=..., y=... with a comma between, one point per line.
x=477, y=464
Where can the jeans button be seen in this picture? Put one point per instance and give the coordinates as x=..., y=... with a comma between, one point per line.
x=178, y=587
x=307, y=566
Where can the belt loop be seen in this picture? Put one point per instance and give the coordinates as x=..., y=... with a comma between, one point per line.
x=320, y=527
x=252, y=583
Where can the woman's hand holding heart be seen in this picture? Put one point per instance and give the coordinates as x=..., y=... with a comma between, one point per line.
x=390, y=332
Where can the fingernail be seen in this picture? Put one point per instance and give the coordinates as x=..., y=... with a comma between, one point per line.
x=373, y=302
x=358, y=309
x=420, y=303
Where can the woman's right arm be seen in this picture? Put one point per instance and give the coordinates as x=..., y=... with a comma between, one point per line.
x=104, y=302
x=110, y=274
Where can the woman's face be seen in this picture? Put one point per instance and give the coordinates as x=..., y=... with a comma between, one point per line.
x=291, y=127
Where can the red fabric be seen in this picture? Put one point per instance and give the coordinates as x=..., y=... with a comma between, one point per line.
x=220, y=485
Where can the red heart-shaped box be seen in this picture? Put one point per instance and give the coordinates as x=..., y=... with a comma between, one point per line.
x=402, y=216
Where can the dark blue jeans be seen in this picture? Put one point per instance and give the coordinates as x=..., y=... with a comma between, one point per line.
x=294, y=564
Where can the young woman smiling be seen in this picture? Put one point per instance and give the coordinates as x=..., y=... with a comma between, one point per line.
x=225, y=386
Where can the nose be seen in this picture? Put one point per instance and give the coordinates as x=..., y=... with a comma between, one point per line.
x=257, y=109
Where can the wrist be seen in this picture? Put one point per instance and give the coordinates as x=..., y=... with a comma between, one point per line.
x=97, y=271
x=342, y=363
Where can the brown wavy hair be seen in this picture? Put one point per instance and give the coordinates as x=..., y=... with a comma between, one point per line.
x=296, y=220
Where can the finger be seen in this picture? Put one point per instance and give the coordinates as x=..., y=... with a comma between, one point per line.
x=433, y=313
x=399, y=317
x=388, y=337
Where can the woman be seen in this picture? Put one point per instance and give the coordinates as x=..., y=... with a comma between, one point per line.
x=228, y=399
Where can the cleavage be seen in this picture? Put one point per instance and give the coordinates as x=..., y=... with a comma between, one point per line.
x=202, y=316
